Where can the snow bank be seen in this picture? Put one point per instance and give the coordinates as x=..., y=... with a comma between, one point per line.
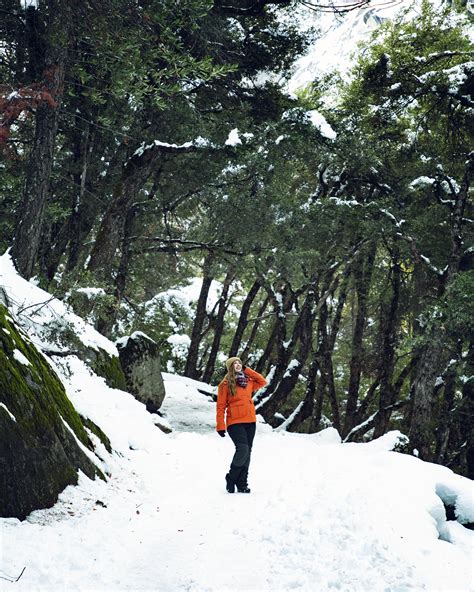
x=37, y=312
x=123, y=419
x=322, y=516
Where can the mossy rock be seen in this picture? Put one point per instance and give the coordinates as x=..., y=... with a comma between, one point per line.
x=41, y=434
x=109, y=367
x=140, y=359
x=98, y=432
x=98, y=359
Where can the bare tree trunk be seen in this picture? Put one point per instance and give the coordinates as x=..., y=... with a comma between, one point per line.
x=432, y=360
x=219, y=326
x=358, y=431
x=122, y=273
x=434, y=356
x=196, y=335
x=262, y=361
x=88, y=209
x=26, y=241
x=110, y=235
x=444, y=417
x=327, y=383
x=144, y=162
x=243, y=319
x=302, y=332
x=315, y=391
x=467, y=411
x=55, y=240
x=253, y=332
x=310, y=406
x=278, y=335
x=387, y=363
x=362, y=276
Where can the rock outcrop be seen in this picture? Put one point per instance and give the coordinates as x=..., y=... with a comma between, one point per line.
x=140, y=360
x=43, y=442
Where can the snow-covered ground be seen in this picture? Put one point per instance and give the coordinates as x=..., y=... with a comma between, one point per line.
x=321, y=516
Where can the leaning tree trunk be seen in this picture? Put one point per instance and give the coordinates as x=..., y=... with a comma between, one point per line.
x=285, y=383
x=253, y=332
x=310, y=406
x=219, y=326
x=313, y=401
x=362, y=277
x=111, y=232
x=94, y=189
x=144, y=163
x=243, y=319
x=26, y=240
x=191, y=370
x=281, y=306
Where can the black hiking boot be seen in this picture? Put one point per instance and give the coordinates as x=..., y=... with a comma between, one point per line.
x=229, y=484
x=242, y=485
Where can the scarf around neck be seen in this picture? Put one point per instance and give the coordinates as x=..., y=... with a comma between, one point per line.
x=241, y=379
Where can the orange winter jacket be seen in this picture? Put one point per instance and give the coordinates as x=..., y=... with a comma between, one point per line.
x=238, y=408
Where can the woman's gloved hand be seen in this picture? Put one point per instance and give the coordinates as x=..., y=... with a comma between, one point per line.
x=221, y=433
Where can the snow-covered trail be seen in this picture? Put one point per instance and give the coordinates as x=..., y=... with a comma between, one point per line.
x=321, y=516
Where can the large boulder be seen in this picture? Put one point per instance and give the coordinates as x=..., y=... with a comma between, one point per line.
x=140, y=360
x=43, y=442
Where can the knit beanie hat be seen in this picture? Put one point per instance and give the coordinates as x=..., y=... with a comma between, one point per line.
x=230, y=361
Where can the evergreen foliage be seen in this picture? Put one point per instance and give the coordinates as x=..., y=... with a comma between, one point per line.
x=344, y=257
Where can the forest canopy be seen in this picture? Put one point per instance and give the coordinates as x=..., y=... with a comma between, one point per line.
x=145, y=145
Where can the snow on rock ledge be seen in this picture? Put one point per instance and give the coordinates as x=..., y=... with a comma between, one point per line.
x=140, y=361
x=42, y=315
x=54, y=328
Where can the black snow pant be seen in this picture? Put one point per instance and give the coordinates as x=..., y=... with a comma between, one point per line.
x=242, y=435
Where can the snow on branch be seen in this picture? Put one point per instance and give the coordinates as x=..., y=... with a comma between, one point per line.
x=369, y=423
x=199, y=142
x=397, y=223
x=284, y=426
x=433, y=268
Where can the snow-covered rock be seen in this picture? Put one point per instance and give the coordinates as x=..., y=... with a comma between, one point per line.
x=140, y=360
x=43, y=441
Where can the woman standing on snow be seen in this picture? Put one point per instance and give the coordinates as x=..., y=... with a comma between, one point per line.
x=234, y=399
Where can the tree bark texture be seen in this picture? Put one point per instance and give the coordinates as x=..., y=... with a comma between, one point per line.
x=243, y=318
x=191, y=370
x=467, y=411
x=432, y=360
x=26, y=241
x=362, y=273
x=278, y=334
x=438, y=342
x=144, y=163
x=389, y=325
x=444, y=417
x=310, y=406
x=219, y=326
x=253, y=332
x=111, y=231
x=284, y=385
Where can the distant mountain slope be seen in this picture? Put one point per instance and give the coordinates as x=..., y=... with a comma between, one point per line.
x=339, y=37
